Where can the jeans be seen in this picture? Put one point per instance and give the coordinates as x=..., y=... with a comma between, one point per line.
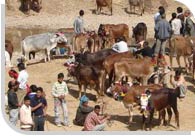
x=39, y=123
x=13, y=116
x=99, y=127
x=57, y=104
x=160, y=47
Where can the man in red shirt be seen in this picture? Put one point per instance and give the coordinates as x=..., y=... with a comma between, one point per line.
x=95, y=122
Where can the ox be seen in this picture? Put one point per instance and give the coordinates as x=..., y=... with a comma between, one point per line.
x=134, y=68
x=104, y=3
x=110, y=32
x=139, y=3
x=181, y=46
x=87, y=76
x=139, y=32
x=161, y=99
x=44, y=42
x=130, y=95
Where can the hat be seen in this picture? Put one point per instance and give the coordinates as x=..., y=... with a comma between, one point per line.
x=84, y=99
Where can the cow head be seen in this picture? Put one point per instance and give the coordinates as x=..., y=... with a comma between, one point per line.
x=59, y=38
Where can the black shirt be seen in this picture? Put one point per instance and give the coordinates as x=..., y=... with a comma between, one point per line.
x=12, y=99
x=146, y=52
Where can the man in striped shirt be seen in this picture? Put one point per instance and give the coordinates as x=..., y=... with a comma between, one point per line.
x=94, y=122
x=59, y=92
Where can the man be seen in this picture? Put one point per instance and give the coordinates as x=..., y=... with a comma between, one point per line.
x=157, y=16
x=95, y=122
x=13, y=103
x=22, y=79
x=82, y=111
x=26, y=121
x=162, y=33
x=180, y=16
x=59, y=92
x=176, y=24
x=120, y=45
x=39, y=113
x=79, y=23
x=146, y=51
x=189, y=24
x=33, y=90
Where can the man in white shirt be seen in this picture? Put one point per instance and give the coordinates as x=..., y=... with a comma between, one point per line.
x=120, y=46
x=176, y=24
x=22, y=80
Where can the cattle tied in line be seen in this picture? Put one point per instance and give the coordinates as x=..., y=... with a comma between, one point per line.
x=139, y=3
x=181, y=46
x=130, y=95
x=161, y=99
x=87, y=42
x=41, y=42
x=104, y=3
x=139, y=32
x=140, y=69
x=110, y=32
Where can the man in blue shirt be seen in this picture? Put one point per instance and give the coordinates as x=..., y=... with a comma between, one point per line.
x=39, y=113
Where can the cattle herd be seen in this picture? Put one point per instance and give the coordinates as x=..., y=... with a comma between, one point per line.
x=94, y=63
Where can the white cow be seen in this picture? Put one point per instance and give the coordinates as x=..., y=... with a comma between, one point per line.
x=45, y=42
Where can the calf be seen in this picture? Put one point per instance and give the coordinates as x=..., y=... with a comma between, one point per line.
x=140, y=32
x=104, y=3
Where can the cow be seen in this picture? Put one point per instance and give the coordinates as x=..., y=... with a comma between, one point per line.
x=45, y=42
x=139, y=32
x=9, y=47
x=139, y=3
x=108, y=64
x=36, y=5
x=130, y=95
x=134, y=68
x=161, y=99
x=110, y=32
x=25, y=6
x=87, y=76
x=104, y=3
x=181, y=46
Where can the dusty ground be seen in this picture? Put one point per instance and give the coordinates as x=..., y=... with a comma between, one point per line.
x=61, y=13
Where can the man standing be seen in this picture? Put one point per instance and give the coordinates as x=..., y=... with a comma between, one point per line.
x=180, y=16
x=79, y=23
x=95, y=122
x=59, y=92
x=189, y=24
x=162, y=33
x=176, y=24
x=157, y=16
x=26, y=121
x=13, y=102
x=22, y=79
x=39, y=107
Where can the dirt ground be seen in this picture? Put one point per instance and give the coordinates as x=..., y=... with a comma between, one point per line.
x=61, y=14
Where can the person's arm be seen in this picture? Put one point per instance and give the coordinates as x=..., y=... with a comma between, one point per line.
x=86, y=109
x=13, y=100
x=34, y=107
x=54, y=91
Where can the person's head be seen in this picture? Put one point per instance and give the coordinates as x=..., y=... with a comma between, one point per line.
x=161, y=10
x=179, y=10
x=33, y=88
x=27, y=100
x=81, y=12
x=13, y=74
x=178, y=73
x=145, y=44
x=97, y=109
x=187, y=13
x=13, y=85
x=60, y=77
x=174, y=15
x=84, y=100
x=39, y=92
x=21, y=66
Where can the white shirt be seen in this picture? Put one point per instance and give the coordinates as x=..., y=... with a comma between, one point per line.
x=22, y=79
x=156, y=17
x=25, y=117
x=176, y=26
x=120, y=47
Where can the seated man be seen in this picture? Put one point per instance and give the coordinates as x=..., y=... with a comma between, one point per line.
x=146, y=51
x=120, y=45
x=95, y=122
x=82, y=111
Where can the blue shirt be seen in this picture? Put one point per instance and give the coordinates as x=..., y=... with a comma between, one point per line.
x=35, y=101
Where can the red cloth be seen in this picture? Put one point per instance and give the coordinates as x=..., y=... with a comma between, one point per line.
x=13, y=74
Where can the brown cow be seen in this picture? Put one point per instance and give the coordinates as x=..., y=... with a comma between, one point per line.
x=104, y=3
x=130, y=95
x=139, y=3
x=87, y=76
x=181, y=46
x=139, y=32
x=134, y=68
x=110, y=32
x=9, y=47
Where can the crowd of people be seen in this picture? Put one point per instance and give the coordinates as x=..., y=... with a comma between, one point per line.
x=28, y=103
